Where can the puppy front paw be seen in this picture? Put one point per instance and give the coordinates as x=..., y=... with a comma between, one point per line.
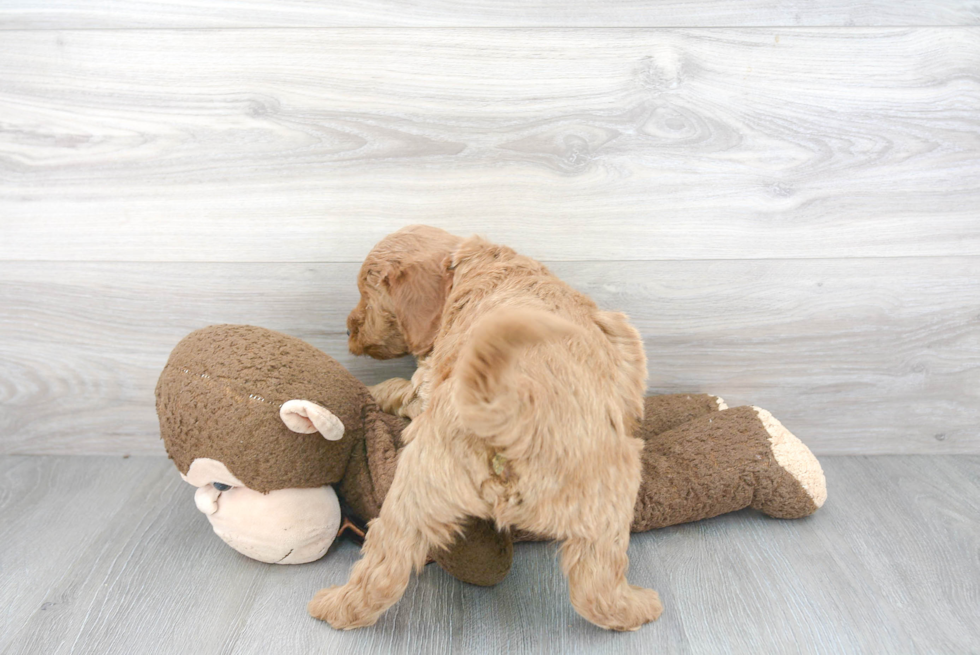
x=392, y=394
x=342, y=607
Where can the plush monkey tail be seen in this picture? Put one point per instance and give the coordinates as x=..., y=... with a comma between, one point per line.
x=487, y=395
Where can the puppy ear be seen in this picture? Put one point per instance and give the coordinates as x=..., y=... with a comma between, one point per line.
x=307, y=417
x=418, y=292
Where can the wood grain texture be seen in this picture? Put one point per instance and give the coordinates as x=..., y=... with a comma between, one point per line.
x=854, y=356
x=64, y=14
x=889, y=565
x=52, y=511
x=626, y=144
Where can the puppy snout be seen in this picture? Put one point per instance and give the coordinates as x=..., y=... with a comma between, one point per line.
x=353, y=343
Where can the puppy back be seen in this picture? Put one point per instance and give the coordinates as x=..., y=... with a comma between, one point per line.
x=485, y=393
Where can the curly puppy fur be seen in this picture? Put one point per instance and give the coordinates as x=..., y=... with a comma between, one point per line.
x=523, y=406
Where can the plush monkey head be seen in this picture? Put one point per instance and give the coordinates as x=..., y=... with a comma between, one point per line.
x=264, y=425
x=267, y=427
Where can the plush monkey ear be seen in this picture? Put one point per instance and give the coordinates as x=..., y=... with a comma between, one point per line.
x=307, y=417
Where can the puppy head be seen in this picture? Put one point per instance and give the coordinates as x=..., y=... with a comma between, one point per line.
x=403, y=282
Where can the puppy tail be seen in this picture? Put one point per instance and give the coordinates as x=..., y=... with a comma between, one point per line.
x=485, y=395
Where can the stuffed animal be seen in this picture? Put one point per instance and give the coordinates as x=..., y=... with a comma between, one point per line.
x=271, y=430
x=266, y=425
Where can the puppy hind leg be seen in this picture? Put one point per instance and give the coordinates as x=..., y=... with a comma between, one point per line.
x=596, y=571
x=415, y=517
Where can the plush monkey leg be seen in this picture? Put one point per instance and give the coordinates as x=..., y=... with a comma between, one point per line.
x=725, y=461
x=662, y=413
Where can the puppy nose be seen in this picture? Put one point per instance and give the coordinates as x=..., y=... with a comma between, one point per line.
x=348, y=332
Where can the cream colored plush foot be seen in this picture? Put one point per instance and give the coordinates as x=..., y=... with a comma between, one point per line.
x=793, y=455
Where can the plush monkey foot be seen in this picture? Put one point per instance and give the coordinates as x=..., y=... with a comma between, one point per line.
x=724, y=461
x=800, y=488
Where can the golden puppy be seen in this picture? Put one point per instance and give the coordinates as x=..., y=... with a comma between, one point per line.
x=523, y=406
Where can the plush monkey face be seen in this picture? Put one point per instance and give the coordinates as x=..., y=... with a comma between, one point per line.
x=262, y=424
x=285, y=526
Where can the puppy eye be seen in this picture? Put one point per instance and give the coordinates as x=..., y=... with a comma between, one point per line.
x=220, y=486
x=348, y=332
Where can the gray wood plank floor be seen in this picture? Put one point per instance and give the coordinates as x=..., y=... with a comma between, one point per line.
x=109, y=555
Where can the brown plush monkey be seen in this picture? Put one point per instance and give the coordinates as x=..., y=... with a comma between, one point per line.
x=265, y=425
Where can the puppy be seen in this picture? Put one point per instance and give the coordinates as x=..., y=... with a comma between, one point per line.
x=523, y=405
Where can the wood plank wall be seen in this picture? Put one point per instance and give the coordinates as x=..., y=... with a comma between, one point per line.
x=785, y=199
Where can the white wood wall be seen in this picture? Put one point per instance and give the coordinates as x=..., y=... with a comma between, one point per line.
x=784, y=195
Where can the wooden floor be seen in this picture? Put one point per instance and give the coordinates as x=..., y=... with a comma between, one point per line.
x=109, y=555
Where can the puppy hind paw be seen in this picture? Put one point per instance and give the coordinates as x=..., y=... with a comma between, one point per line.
x=645, y=607
x=635, y=607
x=340, y=607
